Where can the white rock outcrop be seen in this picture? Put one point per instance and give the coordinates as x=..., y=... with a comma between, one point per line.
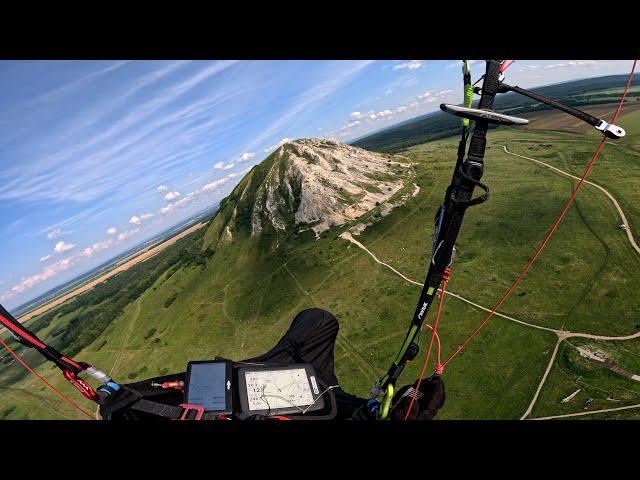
x=321, y=183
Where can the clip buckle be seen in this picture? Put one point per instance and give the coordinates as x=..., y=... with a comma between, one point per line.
x=611, y=130
x=84, y=388
x=188, y=407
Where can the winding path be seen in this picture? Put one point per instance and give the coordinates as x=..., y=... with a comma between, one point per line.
x=561, y=334
x=628, y=407
x=632, y=240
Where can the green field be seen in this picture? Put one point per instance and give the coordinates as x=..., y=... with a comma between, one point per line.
x=238, y=301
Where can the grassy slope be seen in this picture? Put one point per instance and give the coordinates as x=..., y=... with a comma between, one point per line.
x=243, y=300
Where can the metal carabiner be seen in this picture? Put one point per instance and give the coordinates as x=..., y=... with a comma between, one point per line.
x=82, y=386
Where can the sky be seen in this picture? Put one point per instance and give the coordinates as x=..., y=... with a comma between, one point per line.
x=97, y=156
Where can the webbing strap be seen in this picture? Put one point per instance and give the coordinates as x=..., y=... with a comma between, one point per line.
x=169, y=411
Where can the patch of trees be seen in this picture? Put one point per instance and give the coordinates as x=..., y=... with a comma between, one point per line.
x=170, y=300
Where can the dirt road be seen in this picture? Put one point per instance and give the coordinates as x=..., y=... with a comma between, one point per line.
x=623, y=218
x=561, y=334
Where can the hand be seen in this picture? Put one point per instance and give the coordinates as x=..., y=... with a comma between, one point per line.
x=429, y=400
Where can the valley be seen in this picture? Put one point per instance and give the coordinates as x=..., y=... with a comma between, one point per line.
x=262, y=258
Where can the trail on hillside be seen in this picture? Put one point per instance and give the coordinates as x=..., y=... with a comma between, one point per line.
x=561, y=334
x=592, y=412
x=126, y=337
x=630, y=237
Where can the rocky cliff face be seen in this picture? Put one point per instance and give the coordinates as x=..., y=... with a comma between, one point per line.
x=310, y=184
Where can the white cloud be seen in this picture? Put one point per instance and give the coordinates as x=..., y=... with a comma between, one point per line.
x=46, y=257
x=412, y=65
x=223, y=166
x=239, y=174
x=138, y=219
x=458, y=64
x=112, y=231
x=279, y=144
x=311, y=97
x=185, y=200
x=63, y=247
x=171, y=196
x=96, y=247
x=432, y=97
x=582, y=63
x=571, y=63
x=162, y=188
x=47, y=272
x=205, y=189
x=127, y=234
x=361, y=120
x=215, y=184
x=351, y=125
x=556, y=66
x=56, y=233
x=246, y=156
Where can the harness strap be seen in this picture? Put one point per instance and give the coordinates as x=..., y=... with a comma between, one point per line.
x=182, y=412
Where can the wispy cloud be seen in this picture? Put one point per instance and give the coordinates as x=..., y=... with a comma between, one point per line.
x=62, y=246
x=106, y=158
x=171, y=196
x=412, y=65
x=358, y=120
x=223, y=166
x=57, y=233
x=310, y=97
x=26, y=283
x=281, y=142
x=246, y=156
x=138, y=219
x=127, y=233
x=66, y=88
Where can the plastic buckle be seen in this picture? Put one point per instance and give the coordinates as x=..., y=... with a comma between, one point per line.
x=188, y=407
x=610, y=130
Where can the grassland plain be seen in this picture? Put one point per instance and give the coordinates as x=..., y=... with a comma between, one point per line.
x=241, y=300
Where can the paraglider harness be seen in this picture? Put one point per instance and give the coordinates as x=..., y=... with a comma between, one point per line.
x=164, y=397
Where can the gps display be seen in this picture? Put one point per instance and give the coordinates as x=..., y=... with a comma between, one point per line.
x=274, y=390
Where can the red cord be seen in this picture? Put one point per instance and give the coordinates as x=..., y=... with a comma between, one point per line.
x=51, y=387
x=551, y=232
x=434, y=334
x=505, y=64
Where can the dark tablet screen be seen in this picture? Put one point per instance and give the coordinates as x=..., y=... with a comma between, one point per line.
x=207, y=385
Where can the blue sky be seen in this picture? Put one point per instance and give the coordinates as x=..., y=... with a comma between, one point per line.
x=96, y=156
